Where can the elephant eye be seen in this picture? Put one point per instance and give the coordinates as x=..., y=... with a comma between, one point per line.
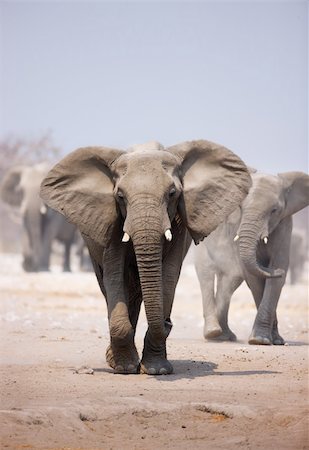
x=274, y=210
x=119, y=194
x=172, y=191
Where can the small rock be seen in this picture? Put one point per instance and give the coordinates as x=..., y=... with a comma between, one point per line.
x=84, y=370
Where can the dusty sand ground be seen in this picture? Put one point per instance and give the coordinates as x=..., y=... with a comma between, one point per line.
x=221, y=396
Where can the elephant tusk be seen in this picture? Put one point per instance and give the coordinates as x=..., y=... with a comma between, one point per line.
x=43, y=209
x=168, y=235
x=265, y=240
x=236, y=238
x=126, y=237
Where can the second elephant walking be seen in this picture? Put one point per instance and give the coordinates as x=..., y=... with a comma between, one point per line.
x=253, y=244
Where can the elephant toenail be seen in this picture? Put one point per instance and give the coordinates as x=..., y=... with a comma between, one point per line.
x=151, y=371
x=163, y=371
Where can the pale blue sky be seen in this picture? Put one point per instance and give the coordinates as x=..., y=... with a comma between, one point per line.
x=119, y=73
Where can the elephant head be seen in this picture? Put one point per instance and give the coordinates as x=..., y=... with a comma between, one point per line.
x=20, y=188
x=271, y=199
x=147, y=193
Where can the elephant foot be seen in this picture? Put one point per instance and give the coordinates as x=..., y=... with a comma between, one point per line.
x=225, y=335
x=259, y=339
x=212, y=327
x=156, y=366
x=154, y=360
x=277, y=339
x=124, y=360
x=212, y=332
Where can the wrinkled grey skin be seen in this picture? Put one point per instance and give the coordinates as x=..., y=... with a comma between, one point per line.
x=40, y=224
x=141, y=194
x=298, y=255
x=265, y=213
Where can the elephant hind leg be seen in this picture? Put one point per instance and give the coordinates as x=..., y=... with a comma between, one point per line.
x=226, y=286
x=212, y=327
x=206, y=275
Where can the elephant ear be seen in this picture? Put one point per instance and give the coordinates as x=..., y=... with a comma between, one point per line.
x=81, y=188
x=215, y=181
x=296, y=187
x=10, y=190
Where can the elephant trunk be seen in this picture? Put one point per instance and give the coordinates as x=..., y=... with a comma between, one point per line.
x=249, y=239
x=147, y=233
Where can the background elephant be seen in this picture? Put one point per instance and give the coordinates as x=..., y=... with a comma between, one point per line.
x=253, y=244
x=85, y=264
x=298, y=255
x=41, y=225
x=137, y=211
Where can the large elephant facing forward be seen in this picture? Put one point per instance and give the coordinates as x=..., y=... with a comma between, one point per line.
x=137, y=211
x=253, y=244
x=40, y=225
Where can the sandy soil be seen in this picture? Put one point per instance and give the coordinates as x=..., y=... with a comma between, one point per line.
x=57, y=391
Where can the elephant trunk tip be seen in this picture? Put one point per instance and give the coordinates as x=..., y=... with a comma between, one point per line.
x=277, y=273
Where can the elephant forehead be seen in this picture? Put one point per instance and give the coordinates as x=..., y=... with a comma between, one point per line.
x=147, y=162
x=265, y=191
x=266, y=182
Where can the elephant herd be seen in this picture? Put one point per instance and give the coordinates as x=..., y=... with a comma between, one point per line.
x=138, y=212
x=41, y=225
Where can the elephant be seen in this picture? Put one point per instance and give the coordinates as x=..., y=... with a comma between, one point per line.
x=298, y=255
x=41, y=225
x=138, y=210
x=85, y=264
x=252, y=244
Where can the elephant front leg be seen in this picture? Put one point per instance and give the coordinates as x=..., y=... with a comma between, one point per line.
x=67, y=257
x=276, y=338
x=121, y=354
x=226, y=286
x=265, y=327
x=154, y=360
